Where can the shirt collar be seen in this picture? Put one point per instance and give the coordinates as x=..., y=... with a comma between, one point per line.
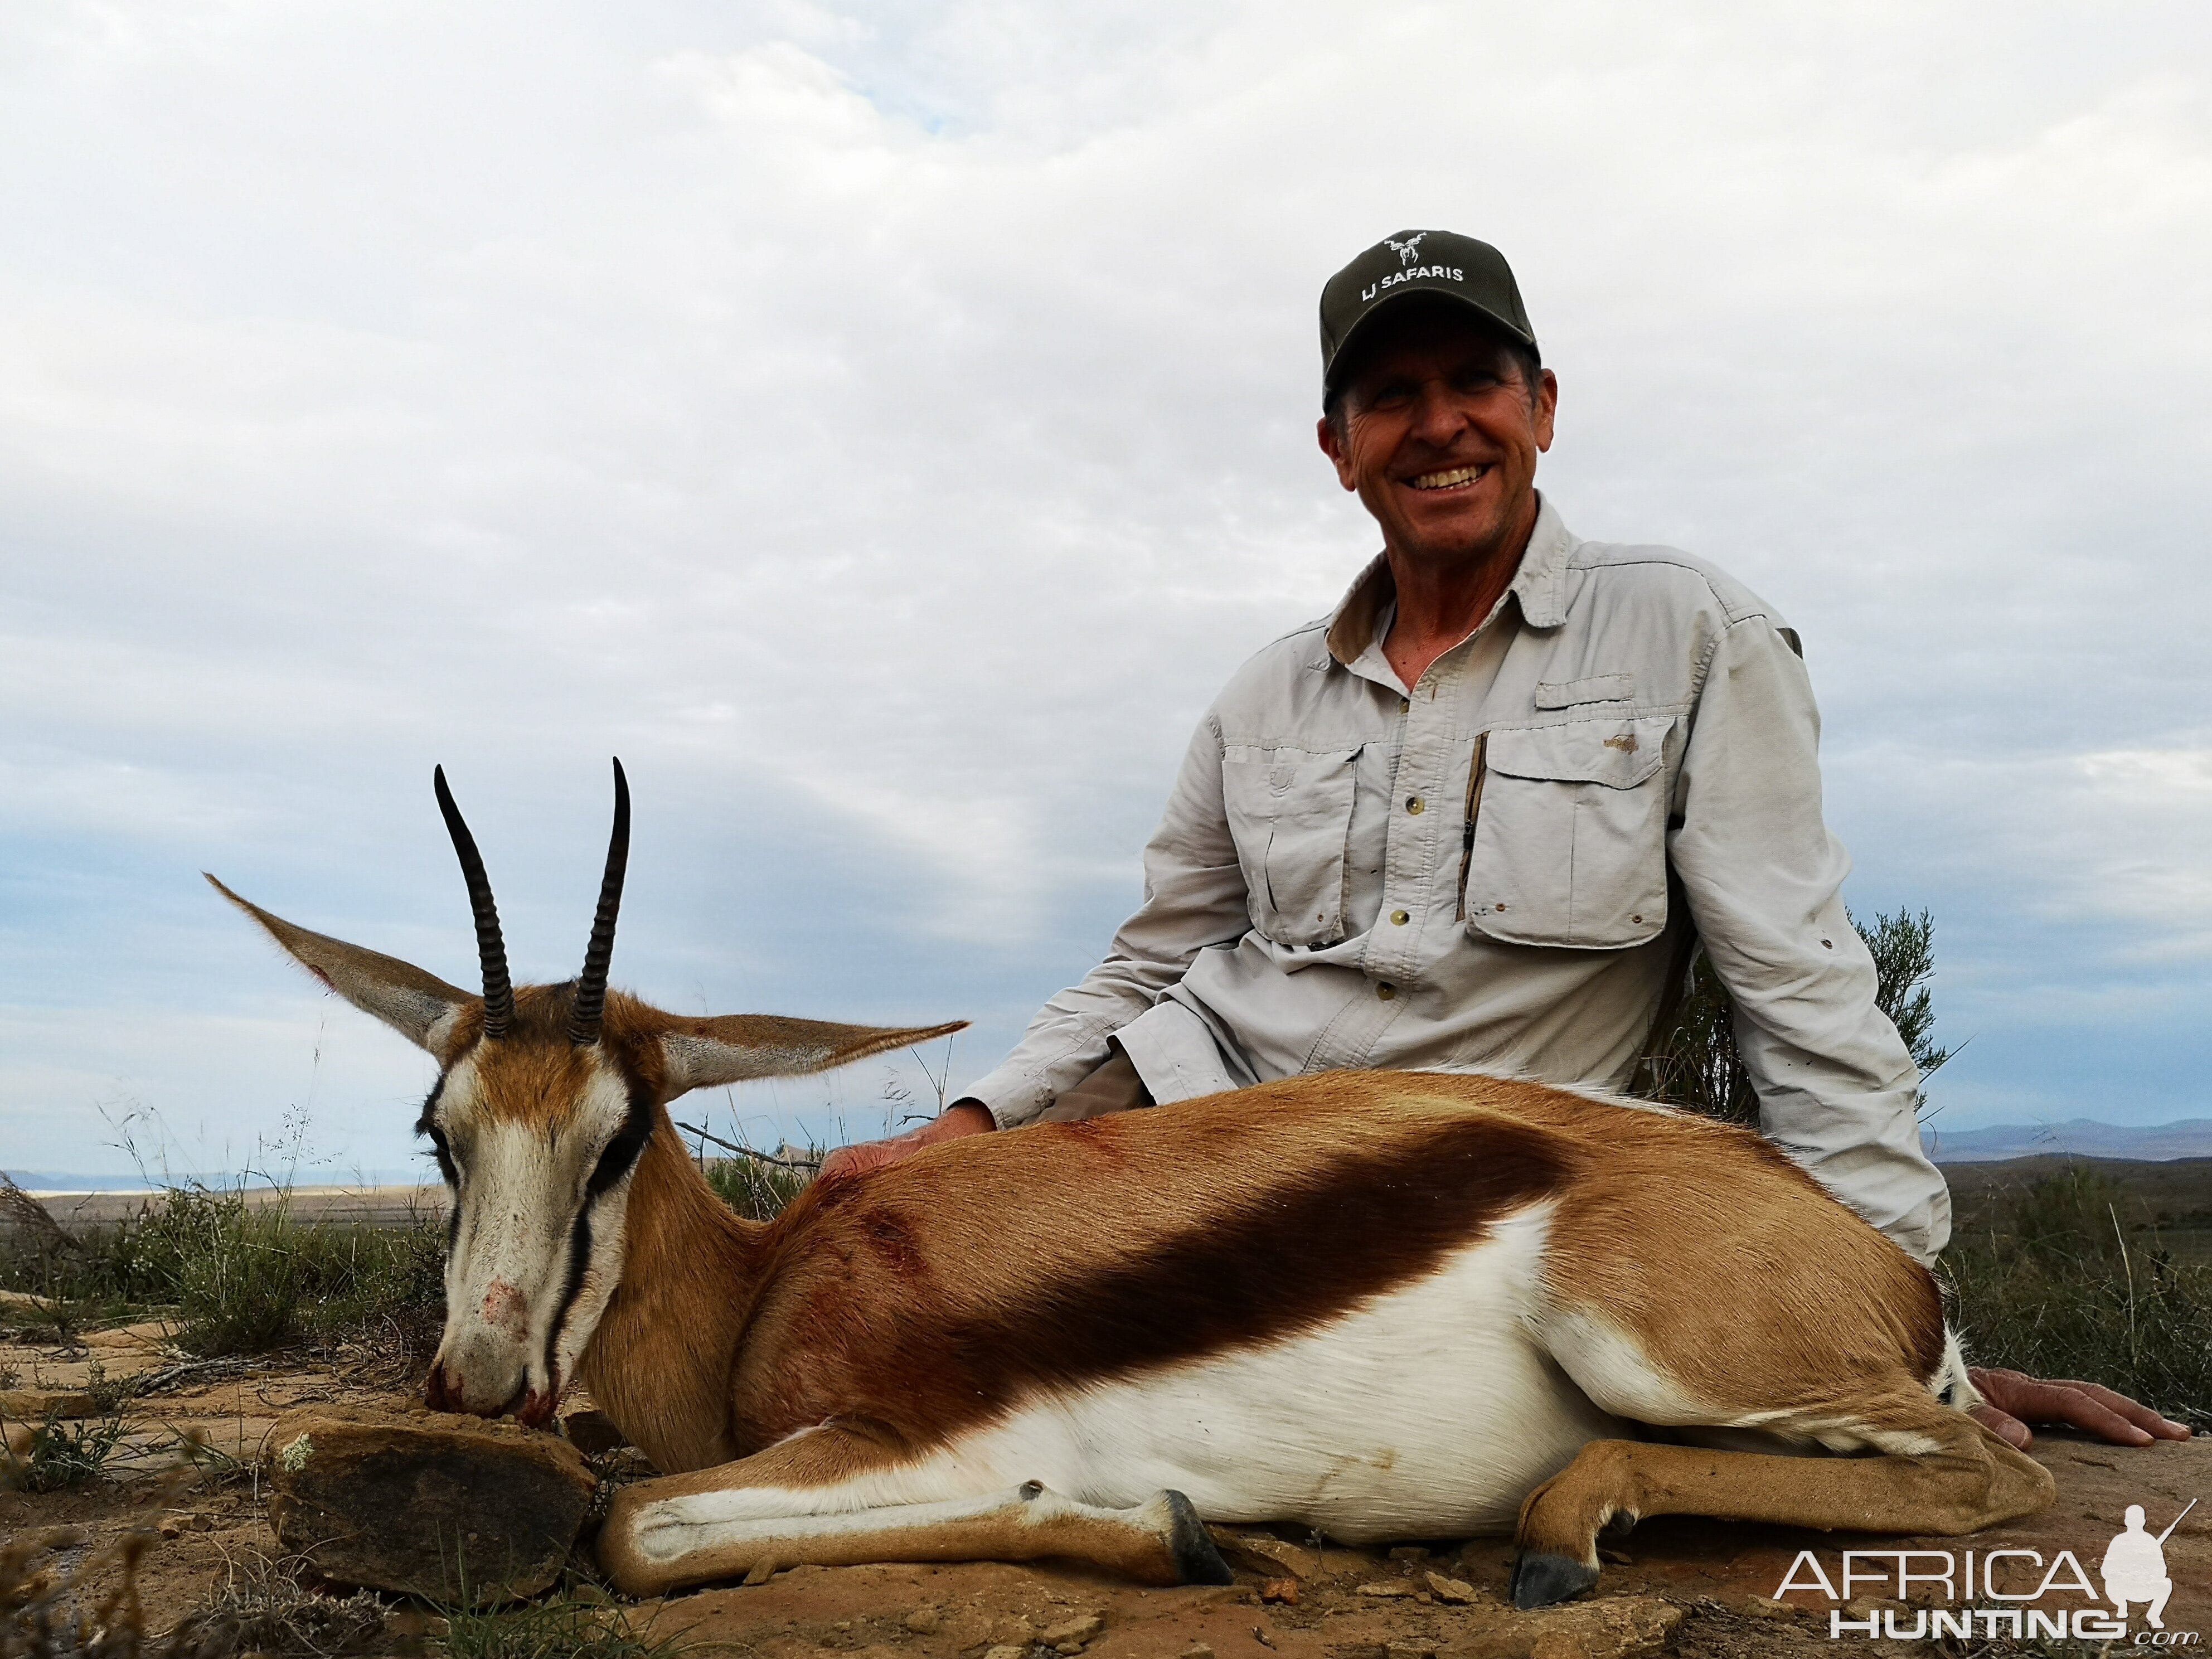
x=1539, y=585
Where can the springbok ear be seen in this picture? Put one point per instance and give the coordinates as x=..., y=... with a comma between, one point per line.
x=420, y=1006
x=704, y=1053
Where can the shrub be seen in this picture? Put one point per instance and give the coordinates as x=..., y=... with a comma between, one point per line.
x=243, y=1277
x=1694, y=1062
x=757, y=1191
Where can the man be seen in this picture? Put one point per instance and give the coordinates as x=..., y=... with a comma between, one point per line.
x=1476, y=819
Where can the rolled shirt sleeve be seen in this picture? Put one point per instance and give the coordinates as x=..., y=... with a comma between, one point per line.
x=1764, y=878
x=1195, y=897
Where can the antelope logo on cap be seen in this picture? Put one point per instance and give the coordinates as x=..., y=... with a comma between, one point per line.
x=1409, y=250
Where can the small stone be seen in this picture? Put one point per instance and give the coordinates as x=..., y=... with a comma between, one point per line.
x=1453, y=1592
x=1424, y=1598
x=1262, y=1553
x=1016, y=1631
x=1385, y=1588
x=924, y=1621
x=1759, y=1607
x=1196, y=1651
x=1006, y=1650
x=1284, y=1590
x=382, y=1498
x=1077, y=1630
x=761, y=1570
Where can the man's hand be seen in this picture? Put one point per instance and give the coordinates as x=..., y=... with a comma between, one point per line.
x=2016, y=1400
x=963, y=1118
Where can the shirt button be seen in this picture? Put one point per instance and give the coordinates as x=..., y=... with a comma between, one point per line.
x=1399, y=918
x=1415, y=805
x=1384, y=992
x=1405, y=705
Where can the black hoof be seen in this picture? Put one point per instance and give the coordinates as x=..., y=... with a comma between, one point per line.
x=1539, y=1580
x=1196, y=1558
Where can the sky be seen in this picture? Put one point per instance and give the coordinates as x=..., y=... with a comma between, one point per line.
x=886, y=428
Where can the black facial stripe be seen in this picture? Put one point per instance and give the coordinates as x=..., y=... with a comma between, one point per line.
x=614, y=1164
x=580, y=1258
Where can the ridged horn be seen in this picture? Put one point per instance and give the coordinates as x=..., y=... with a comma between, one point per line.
x=592, y=984
x=492, y=949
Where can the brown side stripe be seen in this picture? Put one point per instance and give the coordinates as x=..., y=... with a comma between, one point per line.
x=1302, y=1254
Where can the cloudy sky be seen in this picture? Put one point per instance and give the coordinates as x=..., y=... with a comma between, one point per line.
x=886, y=428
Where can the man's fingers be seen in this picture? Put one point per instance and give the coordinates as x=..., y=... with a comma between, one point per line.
x=2142, y=1416
x=2008, y=1428
x=2028, y=1398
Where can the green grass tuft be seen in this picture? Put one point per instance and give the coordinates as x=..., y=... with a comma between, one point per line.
x=63, y=1453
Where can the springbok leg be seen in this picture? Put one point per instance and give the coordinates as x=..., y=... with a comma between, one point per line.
x=803, y=1502
x=1956, y=1478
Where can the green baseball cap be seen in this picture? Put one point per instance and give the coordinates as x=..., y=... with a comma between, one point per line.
x=1419, y=262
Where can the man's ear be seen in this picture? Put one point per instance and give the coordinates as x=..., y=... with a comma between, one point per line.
x=1332, y=445
x=705, y=1053
x=420, y=1006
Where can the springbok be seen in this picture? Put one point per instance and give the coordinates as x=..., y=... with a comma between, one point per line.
x=1384, y=1305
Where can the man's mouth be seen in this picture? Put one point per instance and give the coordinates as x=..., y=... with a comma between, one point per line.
x=1455, y=479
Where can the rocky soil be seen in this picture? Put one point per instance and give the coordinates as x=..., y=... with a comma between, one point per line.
x=1689, y=1588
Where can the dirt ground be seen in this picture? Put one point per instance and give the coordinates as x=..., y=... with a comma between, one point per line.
x=1693, y=1588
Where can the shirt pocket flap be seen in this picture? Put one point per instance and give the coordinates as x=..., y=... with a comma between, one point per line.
x=1600, y=688
x=1619, y=753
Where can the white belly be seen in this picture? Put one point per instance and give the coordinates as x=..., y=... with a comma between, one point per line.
x=1429, y=1412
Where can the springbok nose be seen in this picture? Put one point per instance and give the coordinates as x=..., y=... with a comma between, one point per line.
x=504, y=1309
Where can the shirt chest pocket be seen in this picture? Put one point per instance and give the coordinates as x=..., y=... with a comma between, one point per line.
x=1290, y=813
x=1570, y=835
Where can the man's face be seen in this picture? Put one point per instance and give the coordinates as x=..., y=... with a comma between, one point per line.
x=1440, y=437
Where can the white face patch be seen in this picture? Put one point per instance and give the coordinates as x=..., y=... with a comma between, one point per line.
x=535, y=1252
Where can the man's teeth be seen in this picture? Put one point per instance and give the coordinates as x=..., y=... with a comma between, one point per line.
x=1447, y=480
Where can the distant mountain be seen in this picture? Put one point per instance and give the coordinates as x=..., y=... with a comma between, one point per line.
x=2081, y=1136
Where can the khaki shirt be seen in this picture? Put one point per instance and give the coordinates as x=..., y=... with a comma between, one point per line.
x=1472, y=877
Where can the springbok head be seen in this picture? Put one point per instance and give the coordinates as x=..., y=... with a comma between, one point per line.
x=546, y=1096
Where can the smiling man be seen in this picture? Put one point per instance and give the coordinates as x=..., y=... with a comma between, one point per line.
x=1478, y=817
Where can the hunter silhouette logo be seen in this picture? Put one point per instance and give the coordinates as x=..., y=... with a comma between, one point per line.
x=1410, y=249
x=2134, y=1568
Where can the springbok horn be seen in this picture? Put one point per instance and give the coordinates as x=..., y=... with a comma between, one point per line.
x=592, y=983
x=498, y=989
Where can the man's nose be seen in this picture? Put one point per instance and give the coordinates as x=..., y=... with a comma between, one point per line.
x=1438, y=417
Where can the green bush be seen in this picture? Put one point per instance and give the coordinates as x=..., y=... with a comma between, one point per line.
x=1693, y=1063
x=757, y=1191
x=242, y=1277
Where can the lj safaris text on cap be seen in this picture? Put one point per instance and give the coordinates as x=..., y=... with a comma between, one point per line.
x=1397, y=277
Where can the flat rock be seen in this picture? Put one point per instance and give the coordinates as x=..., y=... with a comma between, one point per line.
x=36, y=1404
x=425, y=1503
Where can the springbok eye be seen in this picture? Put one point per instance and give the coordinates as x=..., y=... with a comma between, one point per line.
x=443, y=1148
x=614, y=1163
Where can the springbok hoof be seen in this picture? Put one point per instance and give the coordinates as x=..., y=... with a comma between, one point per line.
x=1196, y=1558
x=1540, y=1579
